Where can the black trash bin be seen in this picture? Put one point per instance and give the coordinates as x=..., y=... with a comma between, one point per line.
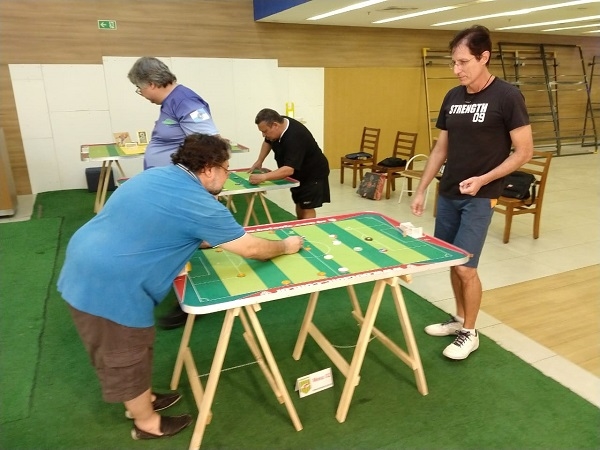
x=92, y=175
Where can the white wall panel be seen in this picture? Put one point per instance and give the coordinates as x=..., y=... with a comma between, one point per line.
x=42, y=165
x=32, y=109
x=25, y=72
x=75, y=87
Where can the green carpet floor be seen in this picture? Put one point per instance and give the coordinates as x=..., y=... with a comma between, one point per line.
x=51, y=398
x=28, y=257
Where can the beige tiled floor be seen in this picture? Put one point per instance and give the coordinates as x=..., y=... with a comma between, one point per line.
x=570, y=239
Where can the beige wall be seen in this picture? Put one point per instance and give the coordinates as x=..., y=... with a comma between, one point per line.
x=389, y=98
x=374, y=79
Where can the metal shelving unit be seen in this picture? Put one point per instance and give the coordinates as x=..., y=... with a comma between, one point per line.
x=557, y=94
x=593, y=111
x=438, y=80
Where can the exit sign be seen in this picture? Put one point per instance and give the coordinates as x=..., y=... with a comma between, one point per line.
x=107, y=24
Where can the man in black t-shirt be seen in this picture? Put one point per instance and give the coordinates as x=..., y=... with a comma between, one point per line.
x=479, y=122
x=298, y=156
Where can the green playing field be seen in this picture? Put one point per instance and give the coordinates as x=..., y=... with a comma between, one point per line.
x=99, y=151
x=238, y=181
x=334, y=248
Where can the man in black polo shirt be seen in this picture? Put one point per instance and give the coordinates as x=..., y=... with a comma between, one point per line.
x=298, y=156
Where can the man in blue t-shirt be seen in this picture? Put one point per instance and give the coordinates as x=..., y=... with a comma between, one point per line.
x=122, y=263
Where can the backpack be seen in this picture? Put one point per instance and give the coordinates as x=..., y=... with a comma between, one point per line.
x=372, y=185
x=359, y=155
x=520, y=185
x=392, y=162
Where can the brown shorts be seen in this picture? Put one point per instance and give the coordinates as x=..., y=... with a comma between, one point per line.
x=122, y=356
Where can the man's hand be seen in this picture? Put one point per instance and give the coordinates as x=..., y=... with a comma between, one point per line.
x=417, y=204
x=254, y=167
x=293, y=244
x=257, y=178
x=253, y=247
x=470, y=186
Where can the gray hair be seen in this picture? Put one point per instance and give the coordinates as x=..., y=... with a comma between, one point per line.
x=149, y=70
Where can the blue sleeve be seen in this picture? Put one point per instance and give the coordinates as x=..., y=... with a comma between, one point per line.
x=222, y=227
x=194, y=117
x=209, y=220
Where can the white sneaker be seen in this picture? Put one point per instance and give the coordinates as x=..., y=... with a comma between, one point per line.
x=463, y=345
x=447, y=328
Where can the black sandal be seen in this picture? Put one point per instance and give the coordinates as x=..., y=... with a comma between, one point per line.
x=169, y=426
x=163, y=401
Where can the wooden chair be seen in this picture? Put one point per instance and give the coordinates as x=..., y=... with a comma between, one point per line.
x=368, y=144
x=539, y=166
x=411, y=174
x=404, y=148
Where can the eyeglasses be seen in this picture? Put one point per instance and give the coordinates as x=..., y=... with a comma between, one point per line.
x=227, y=171
x=138, y=91
x=460, y=63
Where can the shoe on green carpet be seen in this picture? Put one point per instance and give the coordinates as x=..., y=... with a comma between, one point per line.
x=169, y=426
x=162, y=401
x=447, y=328
x=464, y=344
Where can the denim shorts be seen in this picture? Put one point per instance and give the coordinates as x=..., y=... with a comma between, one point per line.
x=464, y=223
x=122, y=356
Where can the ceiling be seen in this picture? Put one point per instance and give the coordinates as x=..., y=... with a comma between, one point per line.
x=468, y=9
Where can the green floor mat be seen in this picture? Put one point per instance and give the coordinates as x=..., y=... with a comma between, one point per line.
x=28, y=252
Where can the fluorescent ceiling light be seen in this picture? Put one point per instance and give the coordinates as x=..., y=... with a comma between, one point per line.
x=517, y=12
x=431, y=11
x=554, y=22
x=417, y=14
x=346, y=9
x=573, y=28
